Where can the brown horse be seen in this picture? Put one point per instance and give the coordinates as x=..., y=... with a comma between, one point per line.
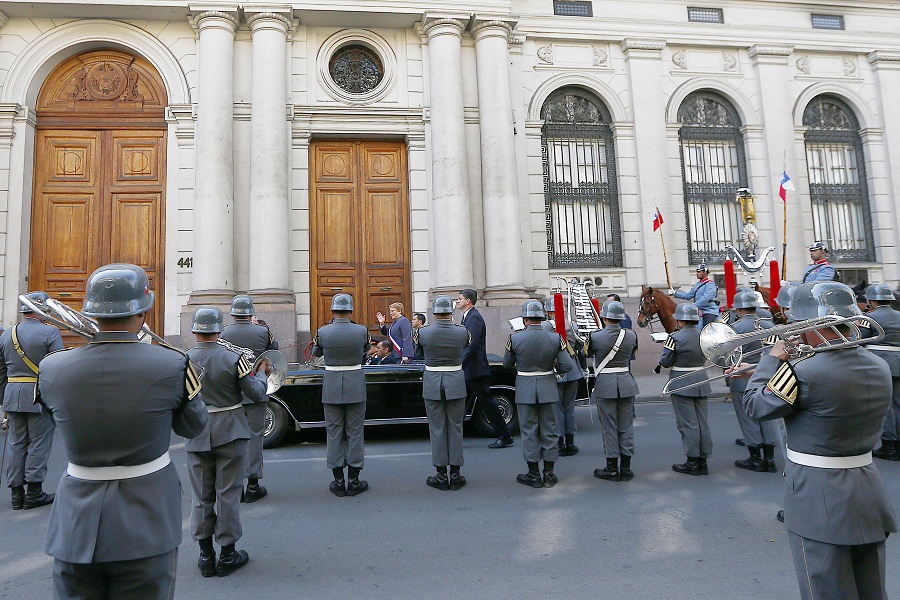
x=655, y=303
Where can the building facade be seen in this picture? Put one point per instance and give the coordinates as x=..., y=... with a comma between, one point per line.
x=394, y=150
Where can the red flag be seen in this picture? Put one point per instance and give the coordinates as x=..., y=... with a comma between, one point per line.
x=657, y=219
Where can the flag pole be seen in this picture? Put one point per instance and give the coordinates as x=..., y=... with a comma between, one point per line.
x=784, y=245
x=665, y=257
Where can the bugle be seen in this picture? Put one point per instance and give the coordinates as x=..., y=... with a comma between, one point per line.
x=279, y=369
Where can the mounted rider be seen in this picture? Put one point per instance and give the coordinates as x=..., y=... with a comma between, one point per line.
x=703, y=294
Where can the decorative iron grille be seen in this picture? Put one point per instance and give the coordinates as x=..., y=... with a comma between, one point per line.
x=837, y=180
x=698, y=14
x=356, y=69
x=573, y=8
x=713, y=167
x=835, y=22
x=581, y=198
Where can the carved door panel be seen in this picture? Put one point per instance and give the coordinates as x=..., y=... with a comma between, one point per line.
x=359, y=229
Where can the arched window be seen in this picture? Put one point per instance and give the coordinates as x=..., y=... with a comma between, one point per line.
x=837, y=180
x=581, y=198
x=713, y=167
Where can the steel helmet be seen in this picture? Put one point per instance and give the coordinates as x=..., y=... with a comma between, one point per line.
x=785, y=294
x=117, y=290
x=207, y=319
x=702, y=267
x=533, y=310
x=878, y=291
x=747, y=300
x=687, y=312
x=549, y=305
x=38, y=298
x=818, y=246
x=443, y=305
x=342, y=302
x=242, y=306
x=612, y=310
x=818, y=299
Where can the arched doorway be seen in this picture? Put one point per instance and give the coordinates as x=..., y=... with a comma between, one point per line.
x=99, y=175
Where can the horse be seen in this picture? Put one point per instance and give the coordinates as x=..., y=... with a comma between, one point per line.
x=655, y=303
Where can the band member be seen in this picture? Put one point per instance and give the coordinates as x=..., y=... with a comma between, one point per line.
x=399, y=333
x=820, y=269
x=30, y=437
x=729, y=317
x=614, y=390
x=626, y=322
x=567, y=386
x=246, y=334
x=478, y=370
x=343, y=344
x=535, y=353
x=444, y=391
x=833, y=402
x=215, y=459
x=880, y=297
x=760, y=437
x=682, y=355
x=703, y=295
x=116, y=522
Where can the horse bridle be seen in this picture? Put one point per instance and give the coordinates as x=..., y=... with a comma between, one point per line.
x=651, y=313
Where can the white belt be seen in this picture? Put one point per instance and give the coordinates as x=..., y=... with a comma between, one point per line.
x=343, y=367
x=535, y=373
x=614, y=370
x=885, y=348
x=829, y=462
x=686, y=369
x=444, y=369
x=215, y=409
x=123, y=472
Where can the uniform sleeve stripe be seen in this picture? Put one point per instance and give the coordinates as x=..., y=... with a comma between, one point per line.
x=192, y=381
x=244, y=367
x=669, y=343
x=784, y=383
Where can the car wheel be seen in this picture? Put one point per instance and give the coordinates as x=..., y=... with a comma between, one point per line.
x=507, y=408
x=276, y=428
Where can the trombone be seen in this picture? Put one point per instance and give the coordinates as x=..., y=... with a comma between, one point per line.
x=723, y=346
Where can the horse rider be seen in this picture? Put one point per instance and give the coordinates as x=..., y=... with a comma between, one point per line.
x=703, y=294
x=567, y=385
x=880, y=297
x=820, y=269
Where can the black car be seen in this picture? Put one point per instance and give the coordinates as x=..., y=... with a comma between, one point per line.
x=394, y=397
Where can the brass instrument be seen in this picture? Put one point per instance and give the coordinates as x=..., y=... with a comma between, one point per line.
x=276, y=360
x=580, y=312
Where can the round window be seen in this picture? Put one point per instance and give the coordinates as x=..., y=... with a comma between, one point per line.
x=356, y=69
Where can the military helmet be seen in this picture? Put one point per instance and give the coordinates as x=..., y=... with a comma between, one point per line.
x=785, y=294
x=443, y=305
x=38, y=298
x=744, y=288
x=533, y=310
x=818, y=246
x=242, y=306
x=880, y=291
x=207, y=319
x=612, y=310
x=818, y=299
x=549, y=305
x=117, y=290
x=702, y=267
x=687, y=312
x=342, y=302
x=747, y=300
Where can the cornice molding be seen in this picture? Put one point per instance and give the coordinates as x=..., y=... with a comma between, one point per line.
x=778, y=51
x=629, y=44
x=879, y=56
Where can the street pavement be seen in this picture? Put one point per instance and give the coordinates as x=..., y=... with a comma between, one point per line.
x=662, y=535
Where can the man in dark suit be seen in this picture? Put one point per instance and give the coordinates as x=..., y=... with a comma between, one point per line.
x=476, y=367
x=383, y=354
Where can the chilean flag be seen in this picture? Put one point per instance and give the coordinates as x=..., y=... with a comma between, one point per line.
x=786, y=184
x=657, y=219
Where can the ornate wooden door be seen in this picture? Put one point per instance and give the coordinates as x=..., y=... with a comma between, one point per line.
x=359, y=228
x=99, y=178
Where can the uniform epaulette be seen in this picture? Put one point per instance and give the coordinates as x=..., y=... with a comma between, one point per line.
x=192, y=380
x=669, y=344
x=244, y=367
x=171, y=347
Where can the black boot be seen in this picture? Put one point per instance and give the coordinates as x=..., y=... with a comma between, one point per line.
x=18, y=496
x=691, y=467
x=338, y=487
x=456, y=478
x=704, y=468
x=571, y=448
x=625, y=468
x=439, y=481
x=611, y=472
x=769, y=457
x=561, y=446
x=207, y=561
x=230, y=560
x=888, y=451
x=355, y=485
x=35, y=496
x=254, y=490
x=550, y=478
x=532, y=477
x=754, y=463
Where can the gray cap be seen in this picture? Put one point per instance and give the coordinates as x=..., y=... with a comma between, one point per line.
x=117, y=290
x=242, y=306
x=818, y=299
x=207, y=319
x=746, y=300
x=533, y=310
x=880, y=291
x=342, y=302
x=687, y=312
x=612, y=310
x=38, y=298
x=443, y=305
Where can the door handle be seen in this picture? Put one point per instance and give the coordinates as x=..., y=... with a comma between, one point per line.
x=64, y=294
x=386, y=288
x=336, y=289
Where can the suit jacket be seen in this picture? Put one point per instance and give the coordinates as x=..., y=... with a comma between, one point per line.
x=342, y=343
x=116, y=402
x=889, y=319
x=833, y=404
x=533, y=350
x=37, y=341
x=475, y=362
x=443, y=344
x=400, y=334
x=682, y=349
x=599, y=345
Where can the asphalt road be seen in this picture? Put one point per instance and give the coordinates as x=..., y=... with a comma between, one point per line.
x=662, y=535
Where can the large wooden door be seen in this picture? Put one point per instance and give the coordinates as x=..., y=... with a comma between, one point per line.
x=359, y=228
x=99, y=176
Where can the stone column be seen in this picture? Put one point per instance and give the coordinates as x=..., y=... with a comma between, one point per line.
x=886, y=67
x=450, y=219
x=499, y=180
x=214, y=186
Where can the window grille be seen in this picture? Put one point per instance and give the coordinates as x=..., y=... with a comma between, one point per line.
x=837, y=180
x=573, y=8
x=713, y=167
x=581, y=197
x=705, y=15
x=827, y=22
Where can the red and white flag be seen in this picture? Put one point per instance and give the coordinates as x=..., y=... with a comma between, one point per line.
x=786, y=185
x=657, y=219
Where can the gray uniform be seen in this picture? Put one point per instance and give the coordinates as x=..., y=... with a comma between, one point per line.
x=833, y=405
x=343, y=344
x=567, y=384
x=444, y=388
x=30, y=435
x=681, y=354
x=215, y=458
x=116, y=403
x=889, y=350
x=756, y=433
x=534, y=353
x=259, y=339
x=614, y=388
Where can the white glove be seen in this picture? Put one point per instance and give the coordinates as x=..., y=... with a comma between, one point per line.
x=671, y=292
